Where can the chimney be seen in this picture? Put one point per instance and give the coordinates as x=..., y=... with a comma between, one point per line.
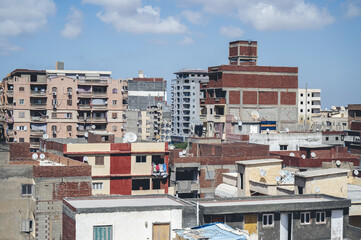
x=59, y=65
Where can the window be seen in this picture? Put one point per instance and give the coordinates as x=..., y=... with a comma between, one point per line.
x=301, y=102
x=283, y=147
x=141, y=159
x=21, y=89
x=115, y=90
x=99, y=160
x=21, y=114
x=300, y=190
x=26, y=189
x=301, y=110
x=326, y=138
x=68, y=115
x=114, y=115
x=21, y=140
x=301, y=94
x=114, y=102
x=21, y=101
x=105, y=138
x=305, y=218
x=268, y=220
x=69, y=90
x=320, y=217
x=54, y=115
x=336, y=138
x=241, y=179
x=98, y=186
x=54, y=89
x=53, y=128
x=102, y=232
x=21, y=128
x=68, y=128
x=27, y=226
x=69, y=102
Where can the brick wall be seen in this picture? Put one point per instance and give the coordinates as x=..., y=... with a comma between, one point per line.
x=250, y=51
x=249, y=97
x=233, y=51
x=71, y=189
x=268, y=98
x=69, y=228
x=355, y=126
x=20, y=151
x=234, y=97
x=97, y=138
x=288, y=98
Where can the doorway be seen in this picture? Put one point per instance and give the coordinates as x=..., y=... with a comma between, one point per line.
x=250, y=223
x=161, y=231
x=286, y=226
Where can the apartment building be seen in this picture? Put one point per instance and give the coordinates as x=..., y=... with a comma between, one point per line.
x=334, y=119
x=135, y=168
x=148, y=115
x=251, y=94
x=60, y=103
x=185, y=102
x=309, y=106
x=32, y=190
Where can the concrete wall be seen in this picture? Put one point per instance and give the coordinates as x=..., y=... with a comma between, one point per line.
x=292, y=140
x=128, y=225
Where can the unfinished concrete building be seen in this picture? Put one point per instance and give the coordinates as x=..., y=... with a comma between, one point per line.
x=251, y=94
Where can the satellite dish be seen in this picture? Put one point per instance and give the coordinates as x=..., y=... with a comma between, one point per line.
x=267, y=130
x=239, y=123
x=278, y=178
x=317, y=190
x=130, y=137
x=303, y=156
x=85, y=159
x=254, y=115
x=262, y=172
x=333, y=107
x=282, y=173
x=86, y=134
x=42, y=156
x=313, y=154
x=338, y=163
x=287, y=130
x=11, y=87
x=45, y=136
x=292, y=154
x=35, y=156
x=355, y=172
x=184, y=151
x=93, y=126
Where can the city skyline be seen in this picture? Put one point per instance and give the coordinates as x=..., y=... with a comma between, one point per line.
x=160, y=37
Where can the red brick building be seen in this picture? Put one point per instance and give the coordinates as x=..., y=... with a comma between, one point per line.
x=248, y=92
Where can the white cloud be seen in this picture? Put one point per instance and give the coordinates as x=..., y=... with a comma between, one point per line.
x=353, y=9
x=231, y=32
x=272, y=14
x=73, y=27
x=131, y=16
x=186, y=40
x=6, y=48
x=193, y=16
x=24, y=16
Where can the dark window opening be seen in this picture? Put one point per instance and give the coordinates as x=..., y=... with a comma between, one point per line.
x=140, y=184
x=189, y=174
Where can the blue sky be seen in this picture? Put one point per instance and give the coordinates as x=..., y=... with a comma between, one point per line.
x=322, y=38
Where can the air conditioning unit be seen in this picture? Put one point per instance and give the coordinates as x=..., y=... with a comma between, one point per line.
x=70, y=93
x=54, y=93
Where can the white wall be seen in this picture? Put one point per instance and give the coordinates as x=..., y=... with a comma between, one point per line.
x=292, y=140
x=127, y=225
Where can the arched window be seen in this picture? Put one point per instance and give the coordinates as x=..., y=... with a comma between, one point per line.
x=115, y=90
x=21, y=89
x=69, y=89
x=68, y=128
x=54, y=89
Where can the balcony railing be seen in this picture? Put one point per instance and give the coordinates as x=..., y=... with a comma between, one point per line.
x=10, y=93
x=9, y=105
x=38, y=133
x=159, y=170
x=93, y=81
x=38, y=105
x=38, y=119
x=38, y=93
x=87, y=106
x=99, y=106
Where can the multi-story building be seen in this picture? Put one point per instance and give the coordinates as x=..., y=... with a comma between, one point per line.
x=309, y=106
x=147, y=110
x=32, y=191
x=135, y=168
x=185, y=102
x=334, y=119
x=60, y=103
x=251, y=94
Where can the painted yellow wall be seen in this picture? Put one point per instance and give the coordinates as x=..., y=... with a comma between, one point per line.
x=87, y=147
x=141, y=168
x=334, y=185
x=100, y=170
x=148, y=147
x=106, y=186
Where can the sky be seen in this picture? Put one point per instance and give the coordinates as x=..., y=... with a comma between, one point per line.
x=322, y=38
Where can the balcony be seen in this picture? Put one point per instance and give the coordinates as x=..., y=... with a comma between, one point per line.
x=82, y=132
x=36, y=133
x=9, y=106
x=35, y=145
x=38, y=105
x=85, y=94
x=38, y=93
x=99, y=119
x=93, y=82
x=10, y=132
x=99, y=106
x=40, y=79
x=10, y=93
x=84, y=106
x=38, y=119
x=159, y=170
x=100, y=94
x=147, y=192
x=186, y=186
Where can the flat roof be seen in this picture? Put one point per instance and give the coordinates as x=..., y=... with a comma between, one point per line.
x=124, y=201
x=251, y=201
x=260, y=161
x=317, y=146
x=354, y=192
x=78, y=72
x=321, y=172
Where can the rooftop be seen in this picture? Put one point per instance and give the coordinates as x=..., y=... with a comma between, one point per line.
x=77, y=72
x=185, y=70
x=321, y=172
x=354, y=192
x=317, y=146
x=259, y=161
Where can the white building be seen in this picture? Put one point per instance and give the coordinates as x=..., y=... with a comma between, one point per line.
x=185, y=101
x=126, y=217
x=309, y=105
